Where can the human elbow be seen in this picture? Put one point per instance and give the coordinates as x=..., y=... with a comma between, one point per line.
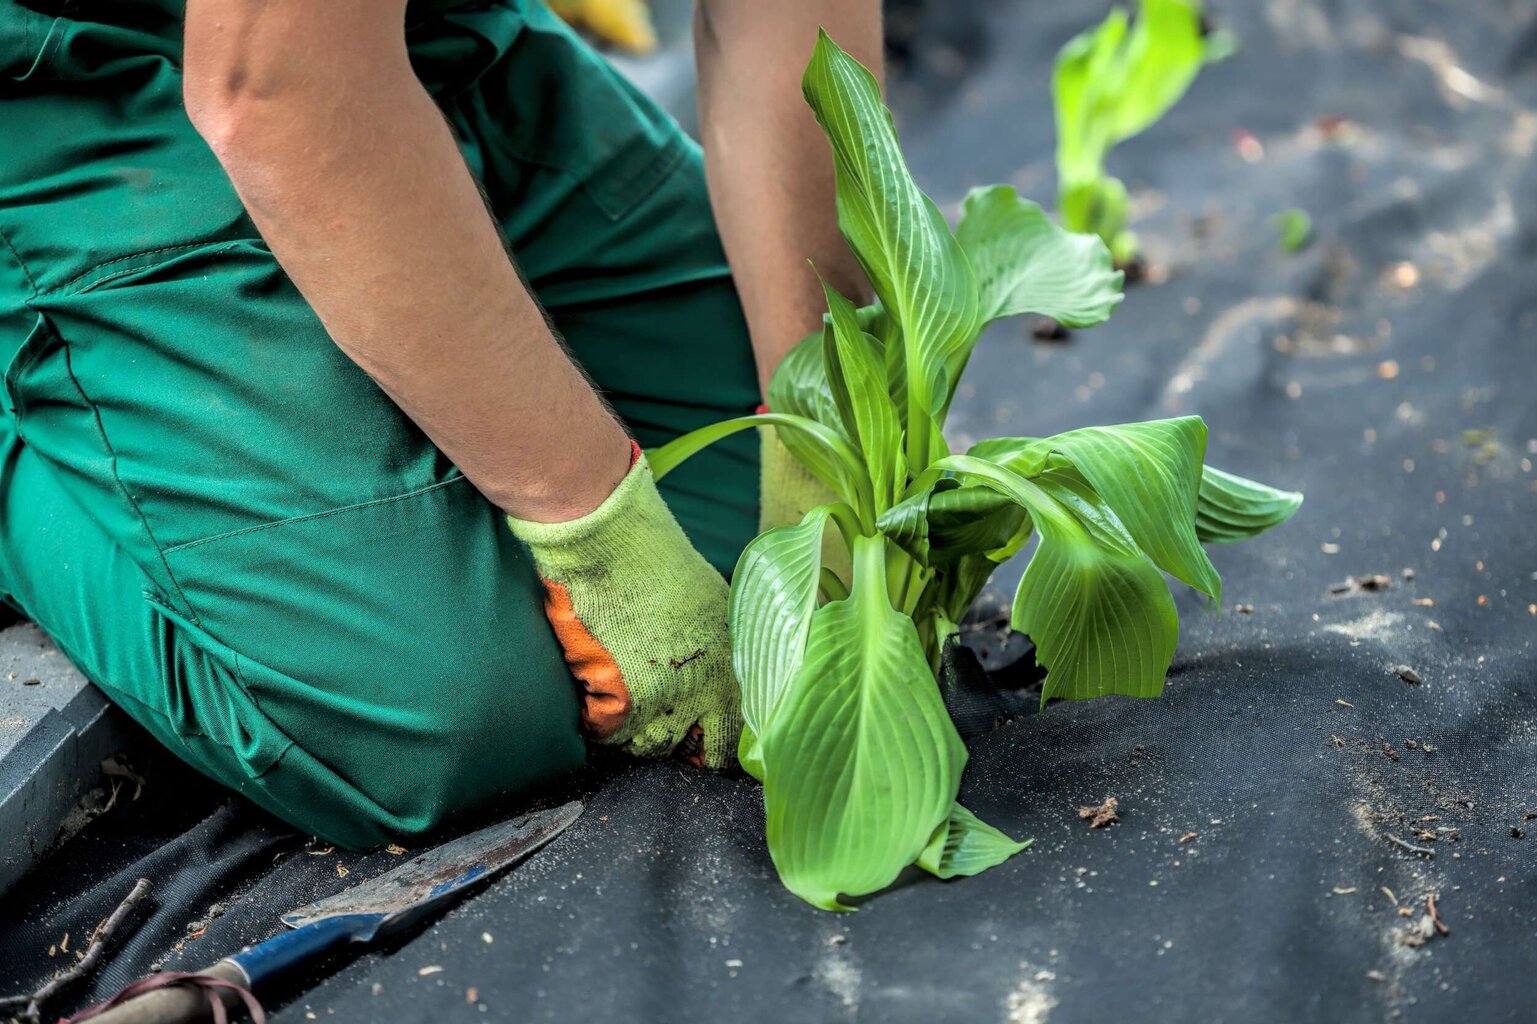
x=254, y=70
x=231, y=99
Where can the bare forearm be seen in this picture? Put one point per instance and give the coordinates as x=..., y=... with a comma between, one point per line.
x=355, y=182
x=769, y=166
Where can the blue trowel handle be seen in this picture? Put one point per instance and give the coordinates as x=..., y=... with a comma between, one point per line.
x=250, y=968
x=268, y=959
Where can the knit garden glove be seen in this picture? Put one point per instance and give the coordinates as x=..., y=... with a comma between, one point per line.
x=641, y=617
x=787, y=491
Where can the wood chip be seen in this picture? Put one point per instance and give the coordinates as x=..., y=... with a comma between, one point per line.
x=1435, y=917
x=432, y=969
x=1187, y=837
x=1343, y=703
x=1388, y=893
x=395, y=848
x=472, y=995
x=341, y=872
x=1104, y=814
x=321, y=853
x=1425, y=602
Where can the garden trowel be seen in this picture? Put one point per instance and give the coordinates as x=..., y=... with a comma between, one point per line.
x=370, y=910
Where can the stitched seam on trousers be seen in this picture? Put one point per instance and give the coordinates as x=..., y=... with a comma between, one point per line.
x=68, y=287
x=25, y=271
x=51, y=43
x=314, y=516
x=101, y=432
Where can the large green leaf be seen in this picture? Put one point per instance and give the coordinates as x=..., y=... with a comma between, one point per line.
x=856, y=371
x=800, y=386
x=773, y=594
x=972, y=521
x=1102, y=619
x=964, y=844
x=861, y=762
x=1233, y=508
x=1098, y=611
x=1026, y=456
x=1024, y=263
x=1149, y=474
x=1070, y=490
x=949, y=521
x=901, y=239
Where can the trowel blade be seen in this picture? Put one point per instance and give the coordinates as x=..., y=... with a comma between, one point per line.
x=403, y=894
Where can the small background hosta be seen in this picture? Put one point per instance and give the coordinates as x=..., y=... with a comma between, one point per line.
x=846, y=728
x=1110, y=83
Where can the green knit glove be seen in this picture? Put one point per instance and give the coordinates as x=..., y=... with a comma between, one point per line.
x=641, y=617
x=787, y=491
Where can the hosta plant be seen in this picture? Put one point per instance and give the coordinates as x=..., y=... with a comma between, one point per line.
x=846, y=727
x=1110, y=83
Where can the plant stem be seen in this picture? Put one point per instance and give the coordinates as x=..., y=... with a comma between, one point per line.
x=832, y=587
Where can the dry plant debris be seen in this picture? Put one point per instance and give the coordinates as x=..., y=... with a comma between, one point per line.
x=1104, y=814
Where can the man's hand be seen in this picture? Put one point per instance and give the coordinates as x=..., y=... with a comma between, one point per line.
x=641, y=617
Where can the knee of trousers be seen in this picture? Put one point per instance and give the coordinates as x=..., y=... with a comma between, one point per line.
x=366, y=692
x=377, y=750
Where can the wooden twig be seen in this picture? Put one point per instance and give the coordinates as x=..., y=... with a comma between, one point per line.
x=1435, y=918
x=86, y=963
x=1421, y=850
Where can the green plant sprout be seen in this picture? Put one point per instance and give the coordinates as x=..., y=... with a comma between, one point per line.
x=1295, y=227
x=1111, y=82
x=846, y=727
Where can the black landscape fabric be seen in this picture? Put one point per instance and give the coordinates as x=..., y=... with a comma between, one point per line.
x=1354, y=734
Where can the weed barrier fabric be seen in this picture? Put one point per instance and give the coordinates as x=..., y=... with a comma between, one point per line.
x=1265, y=865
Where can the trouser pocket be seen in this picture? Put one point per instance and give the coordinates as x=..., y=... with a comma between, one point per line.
x=58, y=422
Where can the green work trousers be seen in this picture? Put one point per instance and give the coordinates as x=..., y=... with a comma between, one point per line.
x=221, y=520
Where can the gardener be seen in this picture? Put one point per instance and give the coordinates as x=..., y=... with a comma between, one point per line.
x=275, y=389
